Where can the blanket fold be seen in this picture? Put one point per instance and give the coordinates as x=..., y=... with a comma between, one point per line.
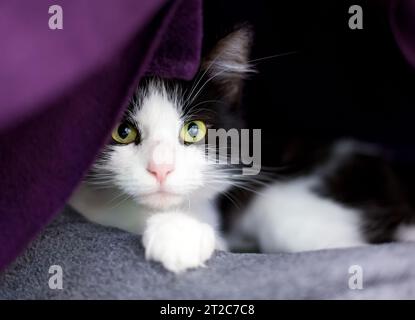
x=61, y=92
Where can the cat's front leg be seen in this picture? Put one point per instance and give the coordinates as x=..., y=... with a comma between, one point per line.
x=178, y=240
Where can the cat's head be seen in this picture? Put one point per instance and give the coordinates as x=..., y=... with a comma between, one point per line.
x=158, y=151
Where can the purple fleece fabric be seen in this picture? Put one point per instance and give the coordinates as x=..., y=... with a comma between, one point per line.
x=61, y=92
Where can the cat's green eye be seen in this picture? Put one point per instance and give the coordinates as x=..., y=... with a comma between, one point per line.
x=125, y=133
x=193, y=131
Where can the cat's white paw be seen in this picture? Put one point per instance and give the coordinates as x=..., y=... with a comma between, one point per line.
x=178, y=241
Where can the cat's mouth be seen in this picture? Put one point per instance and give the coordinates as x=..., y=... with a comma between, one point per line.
x=163, y=193
x=161, y=199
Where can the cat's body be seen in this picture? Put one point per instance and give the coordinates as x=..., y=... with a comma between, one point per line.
x=353, y=196
x=156, y=179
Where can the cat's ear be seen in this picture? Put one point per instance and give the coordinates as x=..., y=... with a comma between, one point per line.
x=228, y=63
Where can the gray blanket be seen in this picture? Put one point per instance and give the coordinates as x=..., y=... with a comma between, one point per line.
x=104, y=263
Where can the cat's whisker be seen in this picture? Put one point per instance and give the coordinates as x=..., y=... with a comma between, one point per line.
x=227, y=194
x=191, y=98
x=240, y=186
x=234, y=201
x=196, y=83
x=273, y=56
x=205, y=84
x=192, y=114
x=121, y=201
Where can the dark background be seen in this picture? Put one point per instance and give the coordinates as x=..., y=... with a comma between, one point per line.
x=340, y=82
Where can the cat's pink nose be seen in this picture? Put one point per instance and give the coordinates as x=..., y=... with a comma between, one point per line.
x=160, y=171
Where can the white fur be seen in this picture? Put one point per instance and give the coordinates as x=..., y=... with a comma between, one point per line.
x=178, y=241
x=176, y=218
x=405, y=233
x=291, y=217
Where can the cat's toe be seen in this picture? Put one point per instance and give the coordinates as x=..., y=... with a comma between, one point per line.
x=178, y=241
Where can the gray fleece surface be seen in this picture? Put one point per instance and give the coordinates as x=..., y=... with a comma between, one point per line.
x=104, y=263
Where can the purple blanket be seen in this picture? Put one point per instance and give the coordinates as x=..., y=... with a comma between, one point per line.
x=62, y=90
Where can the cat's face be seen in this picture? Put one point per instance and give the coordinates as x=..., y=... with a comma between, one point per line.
x=158, y=156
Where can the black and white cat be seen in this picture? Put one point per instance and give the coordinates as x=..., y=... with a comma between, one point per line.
x=155, y=178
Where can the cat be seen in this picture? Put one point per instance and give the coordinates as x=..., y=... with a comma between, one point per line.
x=157, y=179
